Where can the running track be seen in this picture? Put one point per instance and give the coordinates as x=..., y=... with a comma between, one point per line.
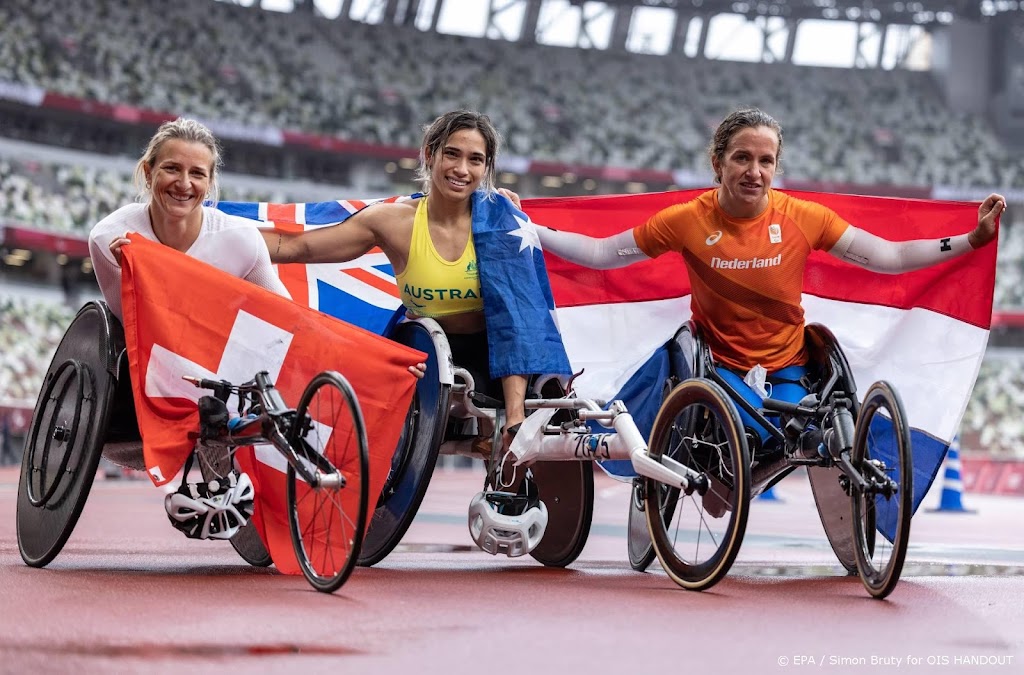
x=130, y=594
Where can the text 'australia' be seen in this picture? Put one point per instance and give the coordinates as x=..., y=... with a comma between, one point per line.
x=439, y=293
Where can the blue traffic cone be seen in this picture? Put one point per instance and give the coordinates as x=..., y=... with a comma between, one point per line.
x=952, y=485
x=769, y=495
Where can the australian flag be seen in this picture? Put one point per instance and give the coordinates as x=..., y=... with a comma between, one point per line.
x=518, y=305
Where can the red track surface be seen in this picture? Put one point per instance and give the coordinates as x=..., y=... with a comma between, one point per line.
x=130, y=594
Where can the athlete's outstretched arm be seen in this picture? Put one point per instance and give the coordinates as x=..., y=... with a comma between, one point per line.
x=337, y=243
x=608, y=253
x=890, y=257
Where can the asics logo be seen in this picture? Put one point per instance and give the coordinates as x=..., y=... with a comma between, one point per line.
x=713, y=239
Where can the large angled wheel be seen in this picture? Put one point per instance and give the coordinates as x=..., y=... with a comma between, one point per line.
x=66, y=434
x=697, y=532
x=883, y=506
x=416, y=455
x=831, y=499
x=328, y=518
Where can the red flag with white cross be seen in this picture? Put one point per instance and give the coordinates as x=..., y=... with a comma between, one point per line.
x=184, y=317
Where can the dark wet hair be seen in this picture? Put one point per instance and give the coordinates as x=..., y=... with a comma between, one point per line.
x=746, y=118
x=436, y=134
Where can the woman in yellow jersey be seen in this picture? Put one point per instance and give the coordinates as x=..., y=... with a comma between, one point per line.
x=745, y=247
x=429, y=244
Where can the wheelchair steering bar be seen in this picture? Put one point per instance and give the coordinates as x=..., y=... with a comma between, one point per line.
x=776, y=405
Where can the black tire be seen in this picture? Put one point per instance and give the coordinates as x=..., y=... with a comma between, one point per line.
x=638, y=536
x=65, y=441
x=327, y=522
x=698, y=426
x=882, y=511
x=415, y=456
x=215, y=462
x=567, y=489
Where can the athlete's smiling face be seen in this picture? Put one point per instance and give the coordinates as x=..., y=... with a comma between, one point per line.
x=458, y=167
x=179, y=179
x=746, y=170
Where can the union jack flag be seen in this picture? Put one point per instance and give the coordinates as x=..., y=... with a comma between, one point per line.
x=362, y=291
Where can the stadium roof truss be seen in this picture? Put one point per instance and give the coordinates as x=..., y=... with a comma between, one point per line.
x=776, y=21
x=876, y=11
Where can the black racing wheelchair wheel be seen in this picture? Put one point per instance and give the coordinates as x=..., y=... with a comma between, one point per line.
x=882, y=507
x=65, y=441
x=328, y=519
x=415, y=456
x=639, y=546
x=567, y=490
x=697, y=532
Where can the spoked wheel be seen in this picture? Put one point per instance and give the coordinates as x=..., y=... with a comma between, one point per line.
x=883, y=505
x=697, y=532
x=416, y=455
x=327, y=519
x=216, y=463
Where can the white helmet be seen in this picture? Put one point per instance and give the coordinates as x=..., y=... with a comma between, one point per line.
x=213, y=510
x=504, y=522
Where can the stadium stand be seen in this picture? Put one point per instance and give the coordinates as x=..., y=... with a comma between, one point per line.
x=320, y=80
x=377, y=84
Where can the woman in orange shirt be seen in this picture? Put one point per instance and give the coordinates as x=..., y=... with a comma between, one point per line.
x=746, y=246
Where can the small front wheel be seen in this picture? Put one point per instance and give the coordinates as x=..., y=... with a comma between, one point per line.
x=697, y=532
x=884, y=504
x=328, y=516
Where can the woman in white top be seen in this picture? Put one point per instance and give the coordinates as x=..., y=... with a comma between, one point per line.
x=175, y=176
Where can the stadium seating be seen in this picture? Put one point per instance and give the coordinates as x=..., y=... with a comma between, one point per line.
x=379, y=84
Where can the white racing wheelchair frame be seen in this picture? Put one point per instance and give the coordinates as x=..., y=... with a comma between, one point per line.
x=696, y=556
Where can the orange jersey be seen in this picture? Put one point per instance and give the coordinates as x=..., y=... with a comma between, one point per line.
x=746, y=274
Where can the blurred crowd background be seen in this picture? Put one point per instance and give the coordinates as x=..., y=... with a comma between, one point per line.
x=316, y=103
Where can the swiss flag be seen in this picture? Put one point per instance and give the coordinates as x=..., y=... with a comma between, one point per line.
x=184, y=317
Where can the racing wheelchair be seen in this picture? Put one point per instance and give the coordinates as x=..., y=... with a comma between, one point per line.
x=85, y=410
x=545, y=506
x=856, y=452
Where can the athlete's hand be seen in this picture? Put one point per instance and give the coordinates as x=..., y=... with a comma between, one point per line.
x=115, y=247
x=989, y=211
x=419, y=370
x=512, y=197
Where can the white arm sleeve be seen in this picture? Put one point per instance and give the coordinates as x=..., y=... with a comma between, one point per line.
x=108, y=273
x=608, y=253
x=892, y=257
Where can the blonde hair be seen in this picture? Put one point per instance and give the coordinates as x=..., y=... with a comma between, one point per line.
x=182, y=129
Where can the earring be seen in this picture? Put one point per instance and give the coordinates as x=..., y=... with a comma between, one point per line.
x=149, y=186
